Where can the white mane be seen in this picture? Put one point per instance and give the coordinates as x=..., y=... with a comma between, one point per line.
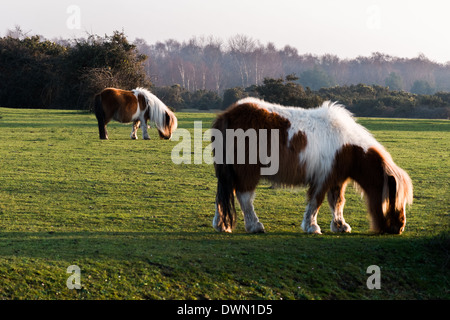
x=157, y=108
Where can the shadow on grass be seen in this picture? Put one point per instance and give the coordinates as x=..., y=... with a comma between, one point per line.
x=295, y=265
x=126, y=245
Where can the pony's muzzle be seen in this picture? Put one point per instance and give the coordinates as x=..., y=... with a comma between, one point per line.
x=162, y=136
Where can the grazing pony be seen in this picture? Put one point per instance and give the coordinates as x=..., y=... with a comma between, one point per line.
x=137, y=106
x=323, y=148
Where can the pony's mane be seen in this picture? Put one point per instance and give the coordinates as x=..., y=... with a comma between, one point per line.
x=157, y=108
x=404, y=187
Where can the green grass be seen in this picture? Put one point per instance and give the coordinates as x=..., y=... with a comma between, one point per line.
x=139, y=226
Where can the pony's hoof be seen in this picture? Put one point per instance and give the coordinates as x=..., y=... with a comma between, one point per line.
x=222, y=229
x=338, y=226
x=219, y=227
x=313, y=228
x=255, y=228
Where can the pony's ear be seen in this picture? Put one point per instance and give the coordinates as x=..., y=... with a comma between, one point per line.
x=389, y=192
x=397, y=188
x=385, y=194
x=392, y=183
x=168, y=119
x=171, y=122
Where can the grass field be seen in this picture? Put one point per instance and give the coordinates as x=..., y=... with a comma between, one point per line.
x=139, y=226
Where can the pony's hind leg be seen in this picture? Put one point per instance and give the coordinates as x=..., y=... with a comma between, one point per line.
x=217, y=224
x=135, y=129
x=336, y=200
x=252, y=224
x=101, y=118
x=103, y=132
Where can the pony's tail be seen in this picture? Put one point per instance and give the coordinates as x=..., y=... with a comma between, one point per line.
x=225, y=185
x=100, y=115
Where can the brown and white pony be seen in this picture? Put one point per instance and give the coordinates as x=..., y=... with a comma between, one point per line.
x=323, y=148
x=137, y=106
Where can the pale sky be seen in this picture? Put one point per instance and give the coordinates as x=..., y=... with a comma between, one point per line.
x=347, y=28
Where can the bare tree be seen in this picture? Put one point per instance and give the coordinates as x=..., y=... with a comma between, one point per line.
x=209, y=63
x=241, y=47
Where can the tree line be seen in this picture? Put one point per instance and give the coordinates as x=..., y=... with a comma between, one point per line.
x=360, y=99
x=208, y=63
x=39, y=73
x=209, y=73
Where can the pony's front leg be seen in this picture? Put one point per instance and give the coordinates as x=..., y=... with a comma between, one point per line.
x=135, y=129
x=336, y=200
x=252, y=224
x=309, y=223
x=145, y=135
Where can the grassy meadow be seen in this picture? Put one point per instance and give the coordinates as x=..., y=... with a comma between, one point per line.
x=139, y=226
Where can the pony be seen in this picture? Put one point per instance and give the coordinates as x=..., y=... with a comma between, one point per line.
x=137, y=106
x=323, y=148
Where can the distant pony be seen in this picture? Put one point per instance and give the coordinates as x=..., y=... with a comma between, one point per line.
x=137, y=106
x=323, y=148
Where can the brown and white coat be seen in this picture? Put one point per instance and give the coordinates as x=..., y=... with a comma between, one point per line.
x=323, y=148
x=137, y=106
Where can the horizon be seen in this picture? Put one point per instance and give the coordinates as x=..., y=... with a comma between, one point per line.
x=347, y=29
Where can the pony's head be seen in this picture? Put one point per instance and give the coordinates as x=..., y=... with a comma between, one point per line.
x=397, y=192
x=168, y=125
x=165, y=120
